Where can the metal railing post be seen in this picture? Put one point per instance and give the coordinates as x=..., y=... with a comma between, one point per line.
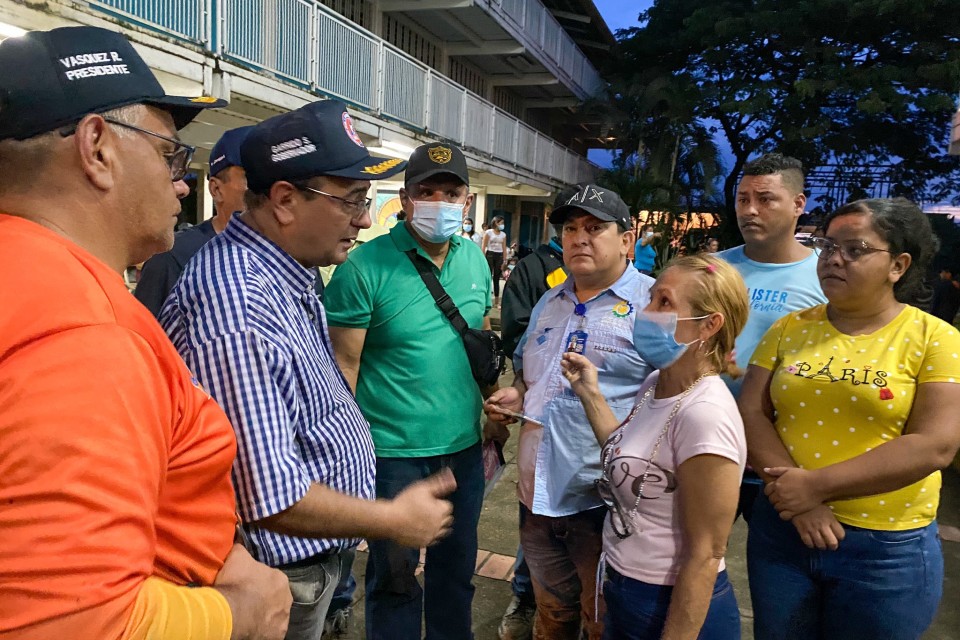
x=313, y=74
x=428, y=115
x=463, y=118
x=381, y=62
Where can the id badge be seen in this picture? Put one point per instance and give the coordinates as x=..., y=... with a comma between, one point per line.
x=577, y=342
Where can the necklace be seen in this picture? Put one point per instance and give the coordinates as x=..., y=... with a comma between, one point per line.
x=656, y=445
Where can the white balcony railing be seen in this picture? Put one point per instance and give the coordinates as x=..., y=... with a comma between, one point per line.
x=188, y=19
x=543, y=30
x=312, y=46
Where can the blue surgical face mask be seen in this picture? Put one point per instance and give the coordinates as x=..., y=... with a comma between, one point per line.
x=654, y=338
x=500, y=227
x=468, y=228
x=436, y=222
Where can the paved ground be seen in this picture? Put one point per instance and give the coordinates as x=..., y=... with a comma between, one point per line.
x=498, y=546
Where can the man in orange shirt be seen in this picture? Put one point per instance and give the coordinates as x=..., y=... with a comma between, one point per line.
x=117, y=514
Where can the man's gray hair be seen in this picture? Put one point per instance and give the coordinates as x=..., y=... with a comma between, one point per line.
x=21, y=161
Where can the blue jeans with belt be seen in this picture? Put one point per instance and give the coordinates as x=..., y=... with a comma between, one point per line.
x=877, y=584
x=395, y=602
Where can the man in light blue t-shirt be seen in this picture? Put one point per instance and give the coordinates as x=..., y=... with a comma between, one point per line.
x=781, y=273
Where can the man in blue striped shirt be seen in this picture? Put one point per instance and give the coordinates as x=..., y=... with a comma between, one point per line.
x=245, y=318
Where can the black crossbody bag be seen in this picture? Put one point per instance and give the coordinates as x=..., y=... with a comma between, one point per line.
x=484, y=348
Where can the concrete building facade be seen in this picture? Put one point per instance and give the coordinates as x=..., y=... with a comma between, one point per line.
x=503, y=79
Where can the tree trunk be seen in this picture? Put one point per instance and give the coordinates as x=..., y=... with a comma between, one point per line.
x=729, y=231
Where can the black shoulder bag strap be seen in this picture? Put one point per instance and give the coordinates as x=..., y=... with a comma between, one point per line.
x=440, y=296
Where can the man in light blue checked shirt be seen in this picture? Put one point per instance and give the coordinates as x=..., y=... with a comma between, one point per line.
x=245, y=318
x=558, y=460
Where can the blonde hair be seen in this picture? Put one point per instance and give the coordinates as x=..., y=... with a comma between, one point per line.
x=717, y=288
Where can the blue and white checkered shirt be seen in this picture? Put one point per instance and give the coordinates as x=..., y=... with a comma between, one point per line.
x=245, y=319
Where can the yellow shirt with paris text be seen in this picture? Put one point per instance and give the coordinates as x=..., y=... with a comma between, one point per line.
x=838, y=396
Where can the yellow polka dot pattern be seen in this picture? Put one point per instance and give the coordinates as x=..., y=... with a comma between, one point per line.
x=838, y=396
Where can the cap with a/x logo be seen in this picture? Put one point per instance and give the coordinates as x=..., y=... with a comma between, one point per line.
x=600, y=202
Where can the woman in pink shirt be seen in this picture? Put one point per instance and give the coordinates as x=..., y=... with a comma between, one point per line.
x=671, y=470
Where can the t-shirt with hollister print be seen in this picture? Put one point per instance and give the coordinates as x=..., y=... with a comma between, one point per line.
x=774, y=290
x=838, y=396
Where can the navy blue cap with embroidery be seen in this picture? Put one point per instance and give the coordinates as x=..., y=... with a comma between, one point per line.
x=226, y=153
x=49, y=79
x=318, y=139
x=600, y=202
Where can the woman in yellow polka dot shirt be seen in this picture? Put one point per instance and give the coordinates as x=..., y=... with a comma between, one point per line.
x=850, y=413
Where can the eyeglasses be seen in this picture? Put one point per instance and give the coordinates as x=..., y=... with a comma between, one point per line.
x=354, y=208
x=177, y=160
x=850, y=251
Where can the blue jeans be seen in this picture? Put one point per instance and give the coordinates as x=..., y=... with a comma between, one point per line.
x=521, y=585
x=312, y=585
x=750, y=487
x=395, y=602
x=638, y=610
x=343, y=595
x=877, y=584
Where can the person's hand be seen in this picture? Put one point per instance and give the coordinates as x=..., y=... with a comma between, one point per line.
x=259, y=597
x=496, y=431
x=421, y=514
x=819, y=528
x=793, y=491
x=508, y=398
x=580, y=373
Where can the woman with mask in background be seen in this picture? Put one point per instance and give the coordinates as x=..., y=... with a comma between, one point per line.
x=644, y=254
x=671, y=470
x=467, y=231
x=493, y=245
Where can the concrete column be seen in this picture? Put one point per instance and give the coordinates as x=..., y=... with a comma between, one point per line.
x=204, y=199
x=376, y=18
x=479, y=212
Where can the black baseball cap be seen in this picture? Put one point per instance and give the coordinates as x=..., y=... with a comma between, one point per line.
x=318, y=139
x=600, y=202
x=49, y=79
x=429, y=160
x=226, y=153
x=565, y=194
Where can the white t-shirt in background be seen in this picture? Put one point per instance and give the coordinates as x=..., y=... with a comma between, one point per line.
x=495, y=240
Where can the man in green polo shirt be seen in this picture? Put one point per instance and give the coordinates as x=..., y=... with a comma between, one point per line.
x=410, y=372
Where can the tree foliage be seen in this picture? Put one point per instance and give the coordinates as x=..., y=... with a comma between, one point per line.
x=845, y=82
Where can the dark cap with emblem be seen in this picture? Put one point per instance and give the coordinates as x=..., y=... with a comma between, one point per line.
x=49, y=79
x=226, y=153
x=600, y=202
x=318, y=139
x=429, y=160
